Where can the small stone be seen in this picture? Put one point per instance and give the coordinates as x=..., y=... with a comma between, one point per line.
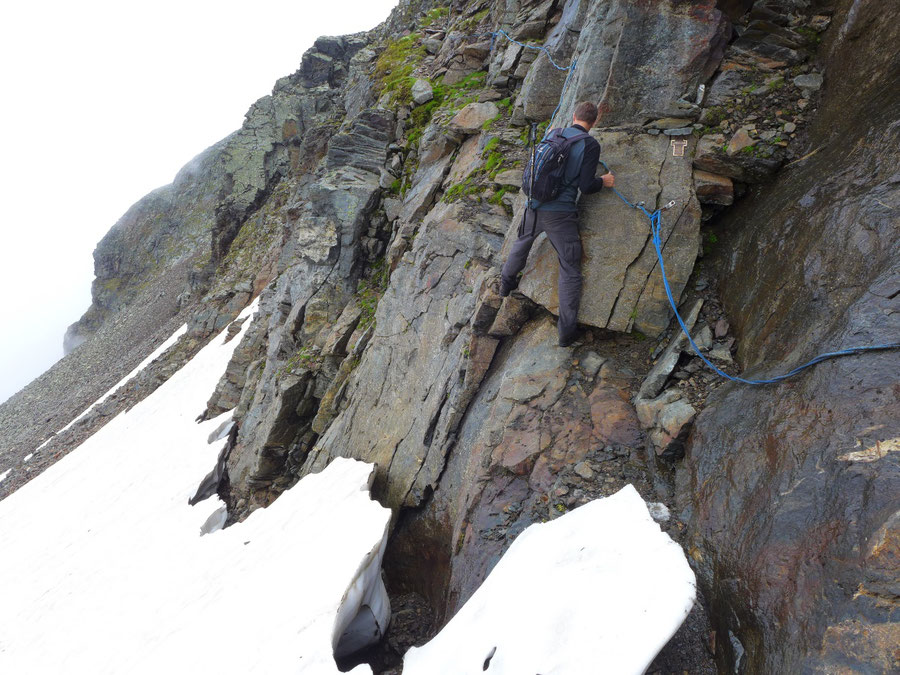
x=738, y=142
x=591, y=363
x=721, y=353
x=584, y=470
x=659, y=512
x=819, y=22
x=701, y=285
x=684, y=131
x=653, y=132
x=809, y=82
x=790, y=128
x=703, y=338
x=721, y=328
x=422, y=91
x=768, y=135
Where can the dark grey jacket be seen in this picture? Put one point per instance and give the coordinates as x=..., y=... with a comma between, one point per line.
x=581, y=166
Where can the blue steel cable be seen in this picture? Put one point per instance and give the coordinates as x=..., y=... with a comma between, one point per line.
x=656, y=232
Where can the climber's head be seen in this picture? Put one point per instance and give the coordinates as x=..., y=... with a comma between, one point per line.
x=585, y=114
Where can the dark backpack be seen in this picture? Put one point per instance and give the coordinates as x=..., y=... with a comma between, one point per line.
x=546, y=170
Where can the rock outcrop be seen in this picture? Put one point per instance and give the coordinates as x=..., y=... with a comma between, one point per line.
x=790, y=490
x=367, y=205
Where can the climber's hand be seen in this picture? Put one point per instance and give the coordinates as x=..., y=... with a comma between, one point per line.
x=608, y=180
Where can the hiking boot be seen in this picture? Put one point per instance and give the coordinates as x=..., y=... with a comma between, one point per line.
x=572, y=340
x=506, y=290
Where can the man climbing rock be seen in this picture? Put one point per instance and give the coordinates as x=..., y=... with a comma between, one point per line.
x=559, y=218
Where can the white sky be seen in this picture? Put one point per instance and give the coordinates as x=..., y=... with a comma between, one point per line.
x=101, y=103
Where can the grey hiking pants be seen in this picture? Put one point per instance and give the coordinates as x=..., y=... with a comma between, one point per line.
x=562, y=231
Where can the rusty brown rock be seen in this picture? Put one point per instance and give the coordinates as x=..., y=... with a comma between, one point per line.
x=713, y=189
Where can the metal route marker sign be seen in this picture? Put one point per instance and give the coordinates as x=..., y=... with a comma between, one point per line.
x=678, y=148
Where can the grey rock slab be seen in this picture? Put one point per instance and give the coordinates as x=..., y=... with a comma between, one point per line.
x=622, y=284
x=406, y=397
x=638, y=60
x=419, y=198
x=659, y=373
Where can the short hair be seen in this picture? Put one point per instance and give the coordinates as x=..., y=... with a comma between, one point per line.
x=586, y=112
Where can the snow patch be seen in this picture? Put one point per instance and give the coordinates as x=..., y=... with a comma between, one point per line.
x=111, y=573
x=4, y=475
x=599, y=590
x=27, y=457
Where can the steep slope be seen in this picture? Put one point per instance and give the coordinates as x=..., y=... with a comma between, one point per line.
x=369, y=202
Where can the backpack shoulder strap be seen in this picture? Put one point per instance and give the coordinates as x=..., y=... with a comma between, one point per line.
x=572, y=140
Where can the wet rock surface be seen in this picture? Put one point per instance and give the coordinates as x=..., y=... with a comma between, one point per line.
x=789, y=491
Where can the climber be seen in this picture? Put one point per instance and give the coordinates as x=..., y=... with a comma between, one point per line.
x=559, y=219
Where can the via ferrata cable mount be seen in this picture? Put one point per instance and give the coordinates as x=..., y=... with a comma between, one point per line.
x=656, y=233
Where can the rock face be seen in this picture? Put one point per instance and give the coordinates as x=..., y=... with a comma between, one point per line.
x=424, y=362
x=790, y=491
x=620, y=265
x=637, y=60
x=369, y=222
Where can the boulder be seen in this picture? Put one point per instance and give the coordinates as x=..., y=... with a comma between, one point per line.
x=467, y=160
x=422, y=91
x=739, y=142
x=712, y=188
x=809, y=83
x=623, y=288
x=472, y=117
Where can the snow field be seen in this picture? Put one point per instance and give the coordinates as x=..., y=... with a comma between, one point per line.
x=103, y=569
x=599, y=590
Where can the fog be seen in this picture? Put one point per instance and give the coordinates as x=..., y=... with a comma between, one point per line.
x=105, y=101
